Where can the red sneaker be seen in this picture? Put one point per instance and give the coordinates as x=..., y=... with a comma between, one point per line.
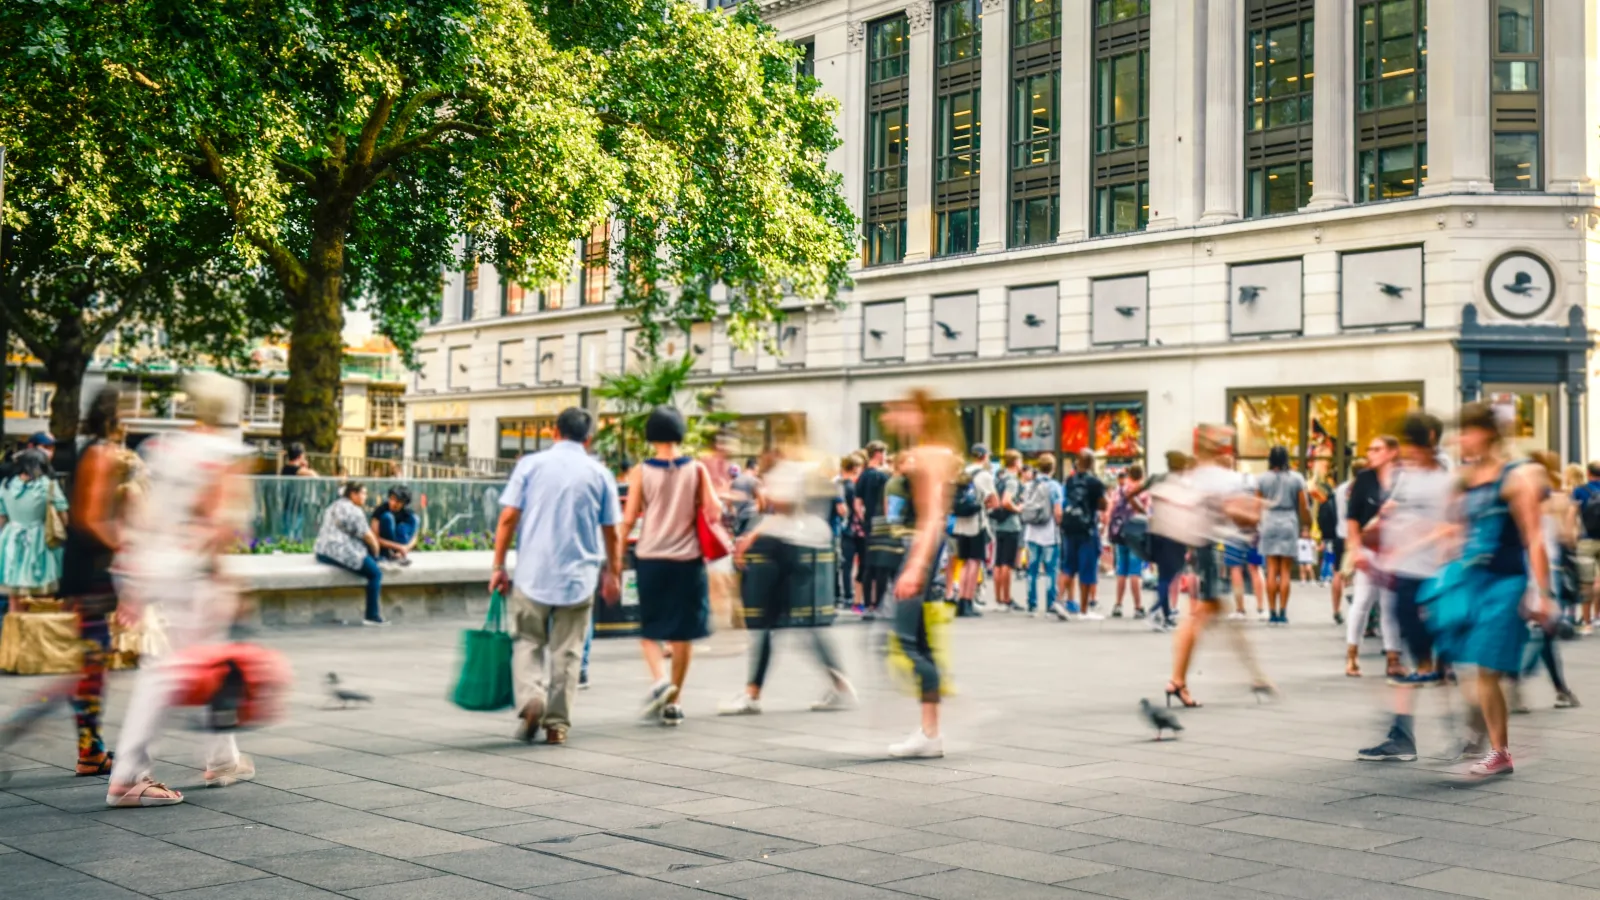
x=1496, y=762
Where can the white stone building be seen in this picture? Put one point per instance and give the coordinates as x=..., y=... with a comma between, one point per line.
x=1102, y=221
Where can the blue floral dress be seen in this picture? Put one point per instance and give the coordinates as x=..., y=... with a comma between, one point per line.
x=27, y=564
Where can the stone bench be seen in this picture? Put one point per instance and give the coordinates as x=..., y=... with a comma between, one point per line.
x=295, y=589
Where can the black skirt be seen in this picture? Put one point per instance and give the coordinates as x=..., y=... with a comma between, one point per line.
x=673, y=600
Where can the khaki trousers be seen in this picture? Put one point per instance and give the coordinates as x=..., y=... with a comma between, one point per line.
x=556, y=631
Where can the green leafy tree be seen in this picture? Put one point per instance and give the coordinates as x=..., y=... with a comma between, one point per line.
x=656, y=382
x=102, y=237
x=356, y=147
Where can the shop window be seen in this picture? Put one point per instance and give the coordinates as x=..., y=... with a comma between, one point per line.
x=442, y=442
x=523, y=436
x=1323, y=429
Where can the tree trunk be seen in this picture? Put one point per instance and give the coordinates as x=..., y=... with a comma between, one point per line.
x=66, y=365
x=316, y=350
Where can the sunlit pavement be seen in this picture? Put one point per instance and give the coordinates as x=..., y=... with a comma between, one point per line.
x=1051, y=787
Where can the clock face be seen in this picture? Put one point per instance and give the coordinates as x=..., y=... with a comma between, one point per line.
x=1520, y=285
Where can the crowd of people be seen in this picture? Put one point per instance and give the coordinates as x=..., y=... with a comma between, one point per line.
x=1470, y=570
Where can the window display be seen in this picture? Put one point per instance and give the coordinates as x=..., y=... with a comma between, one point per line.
x=1324, y=429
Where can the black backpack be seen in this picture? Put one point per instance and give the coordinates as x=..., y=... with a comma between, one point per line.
x=1075, y=512
x=1589, y=514
x=1328, y=518
x=1002, y=483
x=966, y=501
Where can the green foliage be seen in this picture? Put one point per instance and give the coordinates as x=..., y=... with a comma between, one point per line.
x=656, y=382
x=349, y=146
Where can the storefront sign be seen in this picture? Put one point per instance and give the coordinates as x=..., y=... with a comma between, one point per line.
x=1033, y=428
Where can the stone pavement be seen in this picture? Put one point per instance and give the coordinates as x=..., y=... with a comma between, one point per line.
x=1051, y=787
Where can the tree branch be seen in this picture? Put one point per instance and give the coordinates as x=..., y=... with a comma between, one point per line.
x=370, y=131
x=293, y=171
x=397, y=149
x=402, y=124
x=288, y=268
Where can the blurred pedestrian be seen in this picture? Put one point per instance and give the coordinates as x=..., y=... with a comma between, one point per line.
x=1227, y=506
x=29, y=564
x=1368, y=491
x=1557, y=519
x=1503, y=548
x=669, y=493
x=172, y=561
x=923, y=425
x=562, y=507
x=1284, y=520
x=345, y=541
x=1173, y=508
x=1586, y=500
x=886, y=548
x=95, y=530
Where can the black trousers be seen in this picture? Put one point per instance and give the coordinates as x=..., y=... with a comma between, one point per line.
x=780, y=579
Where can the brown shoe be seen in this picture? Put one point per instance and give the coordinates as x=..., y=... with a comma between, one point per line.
x=528, y=729
x=555, y=734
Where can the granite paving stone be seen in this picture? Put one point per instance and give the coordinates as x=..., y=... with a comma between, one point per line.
x=1047, y=793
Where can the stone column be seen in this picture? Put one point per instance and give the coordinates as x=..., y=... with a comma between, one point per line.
x=1572, y=78
x=846, y=79
x=919, y=134
x=1178, y=105
x=1076, y=106
x=1332, y=110
x=1224, y=120
x=1459, y=143
x=994, y=126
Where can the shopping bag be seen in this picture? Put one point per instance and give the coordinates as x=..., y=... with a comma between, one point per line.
x=40, y=643
x=484, y=684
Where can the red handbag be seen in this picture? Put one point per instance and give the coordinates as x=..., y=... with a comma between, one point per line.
x=715, y=542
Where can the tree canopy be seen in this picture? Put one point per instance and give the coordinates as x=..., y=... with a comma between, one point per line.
x=352, y=145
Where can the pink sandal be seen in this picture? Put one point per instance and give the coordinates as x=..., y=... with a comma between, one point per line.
x=144, y=793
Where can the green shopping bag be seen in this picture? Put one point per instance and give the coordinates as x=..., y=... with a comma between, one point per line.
x=484, y=684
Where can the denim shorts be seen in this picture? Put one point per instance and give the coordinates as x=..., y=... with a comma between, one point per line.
x=1080, y=558
x=1128, y=562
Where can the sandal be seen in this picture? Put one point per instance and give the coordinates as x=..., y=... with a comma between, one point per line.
x=88, y=768
x=1181, y=691
x=223, y=776
x=144, y=793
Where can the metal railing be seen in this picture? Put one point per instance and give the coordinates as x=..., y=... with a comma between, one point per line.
x=290, y=509
x=333, y=465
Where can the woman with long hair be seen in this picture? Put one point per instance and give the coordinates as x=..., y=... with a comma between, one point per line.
x=926, y=427
x=1283, y=518
x=667, y=493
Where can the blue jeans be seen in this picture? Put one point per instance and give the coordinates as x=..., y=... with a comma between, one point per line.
x=588, y=639
x=390, y=530
x=1042, y=556
x=370, y=571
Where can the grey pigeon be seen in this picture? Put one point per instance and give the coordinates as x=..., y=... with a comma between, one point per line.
x=1126, y=311
x=1032, y=321
x=790, y=332
x=1249, y=292
x=1162, y=720
x=877, y=334
x=342, y=695
x=1392, y=290
x=950, y=333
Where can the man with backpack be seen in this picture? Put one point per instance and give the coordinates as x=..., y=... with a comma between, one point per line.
x=1007, y=527
x=1084, y=500
x=975, y=496
x=1040, y=515
x=1586, y=500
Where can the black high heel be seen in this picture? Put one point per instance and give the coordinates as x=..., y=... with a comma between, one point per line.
x=1264, y=693
x=1181, y=691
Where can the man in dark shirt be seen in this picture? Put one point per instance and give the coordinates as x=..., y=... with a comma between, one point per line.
x=869, y=487
x=1085, y=499
x=1367, y=494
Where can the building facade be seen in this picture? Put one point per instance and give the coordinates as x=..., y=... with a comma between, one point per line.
x=1096, y=223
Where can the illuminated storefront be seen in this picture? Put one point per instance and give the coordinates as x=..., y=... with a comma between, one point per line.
x=1113, y=426
x=1324, y=427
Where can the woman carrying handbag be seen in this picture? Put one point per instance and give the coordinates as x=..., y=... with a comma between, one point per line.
x=671, y=496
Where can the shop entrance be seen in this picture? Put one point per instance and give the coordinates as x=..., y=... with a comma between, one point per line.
x=1529, y=415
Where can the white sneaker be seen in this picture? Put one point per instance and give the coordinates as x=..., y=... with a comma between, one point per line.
x=1092, y=616
x=1236, y=616
x=742, y=705
x=835, y=699
x=1058, y=611
x=1158, y=622
x=918, y=746
x=1261, y=615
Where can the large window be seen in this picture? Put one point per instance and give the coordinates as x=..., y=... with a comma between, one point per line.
x=1324, y=429
x=958, y=37
x=1121, y=116
x=519, y=436
x=806, y=66
x=888, y=59
x=1281, y=37
x=596, y=273
x=512, y=296
x=441, y=441
x=1516, y=106
x=1391, y=98
x=469, y=280
x=1035, y=121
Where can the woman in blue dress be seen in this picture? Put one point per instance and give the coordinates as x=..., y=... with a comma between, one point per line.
x=28, y=564
x=1481, y=621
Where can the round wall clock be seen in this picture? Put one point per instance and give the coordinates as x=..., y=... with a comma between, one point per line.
x=1520, y=285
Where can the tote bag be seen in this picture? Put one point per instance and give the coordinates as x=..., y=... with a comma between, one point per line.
x=484, y=684
x=715, y=542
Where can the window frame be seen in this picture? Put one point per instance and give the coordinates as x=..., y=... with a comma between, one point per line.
x=1030, y=182
x=1268, y=147
x=1380, y=128
x=595, y=268
x=1120, y=167
x=884, y=210
x=1518, y=113
x=956, y=77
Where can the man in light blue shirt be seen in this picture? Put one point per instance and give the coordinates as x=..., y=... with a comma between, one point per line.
x=562, y=506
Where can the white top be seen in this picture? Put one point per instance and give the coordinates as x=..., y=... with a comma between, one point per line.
x=1216, y=485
